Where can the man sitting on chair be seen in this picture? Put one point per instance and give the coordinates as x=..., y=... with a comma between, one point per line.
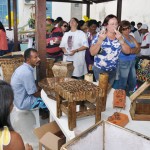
x=26, y=93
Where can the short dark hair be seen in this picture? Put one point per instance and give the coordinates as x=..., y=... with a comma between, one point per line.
x=132, y=23
x=58, y=19
x=106, y=20
x=91, y=22
x=61, y=23
x=28, y=52
x=139, y=23
x=2, y=27
x=6, y=100
x=124, y=23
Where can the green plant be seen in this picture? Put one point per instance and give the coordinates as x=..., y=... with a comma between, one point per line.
x=31, y=23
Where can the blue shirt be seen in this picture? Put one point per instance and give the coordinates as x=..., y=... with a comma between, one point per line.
x=127, y=57
x=107, y=57
x=23, y=84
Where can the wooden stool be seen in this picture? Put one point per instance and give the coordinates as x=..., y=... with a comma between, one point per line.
x=78, y=92
x=140, y=109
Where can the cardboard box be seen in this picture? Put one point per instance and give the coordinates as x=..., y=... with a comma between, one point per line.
x=50, y=136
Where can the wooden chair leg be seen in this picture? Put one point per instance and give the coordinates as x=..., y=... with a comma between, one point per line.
x=72, y=115
x=58, y=101
x=98, y=109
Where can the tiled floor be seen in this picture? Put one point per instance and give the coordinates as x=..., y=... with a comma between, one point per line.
x=24, y=123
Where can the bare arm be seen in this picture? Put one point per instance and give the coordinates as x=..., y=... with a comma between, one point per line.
x=37, y=94
x=135, y=50
x=146, y=46
x=78, y=50
x=125, y=47
x=96, y=47
x=64, y=50
x=28, y=147
x=16, y=142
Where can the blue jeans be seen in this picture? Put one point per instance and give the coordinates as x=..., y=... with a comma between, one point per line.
x=127, y=75
x=112, y=74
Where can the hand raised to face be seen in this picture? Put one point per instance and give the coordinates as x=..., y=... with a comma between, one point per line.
x=102, y=35
x=118, y=35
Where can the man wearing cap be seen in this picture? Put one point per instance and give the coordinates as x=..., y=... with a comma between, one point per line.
x=145, y=45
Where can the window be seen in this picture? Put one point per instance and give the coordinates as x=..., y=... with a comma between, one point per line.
x=3, y=12
x=49, y=9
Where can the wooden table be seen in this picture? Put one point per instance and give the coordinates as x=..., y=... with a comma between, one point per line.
x=82, y=93
x=142, y=127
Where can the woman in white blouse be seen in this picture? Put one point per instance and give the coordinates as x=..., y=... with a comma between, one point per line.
x=74, y=44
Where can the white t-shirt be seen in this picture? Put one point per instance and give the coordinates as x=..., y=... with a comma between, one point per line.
x=72, y=41
x=145, y=41
x=137, y=36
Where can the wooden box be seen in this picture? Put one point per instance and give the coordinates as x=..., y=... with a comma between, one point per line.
x=140, y=109
x=48, y=85
x=119, y=98
x=140, y=103
x=107, y=136
x=63, y=69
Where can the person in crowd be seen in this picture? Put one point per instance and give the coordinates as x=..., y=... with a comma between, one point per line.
x=9, y=139
x=139, y=24
x=134, y=32
x=56, y=22
x=99, y=26
x=92, y=26
x=26, y=93
x=74, y=44
x=126, y=64
x=3, y=40
x=133, y=29
x=145, y=45
x=106, y=47
x=49, y=25
x=53, y=41
x=83, y=26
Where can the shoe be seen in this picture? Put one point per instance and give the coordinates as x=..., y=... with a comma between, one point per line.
x=44, y=114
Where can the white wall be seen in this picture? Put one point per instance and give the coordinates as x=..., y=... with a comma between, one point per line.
x=24, y=13
x=132, y=10
x=136, y=10
x=61, y=10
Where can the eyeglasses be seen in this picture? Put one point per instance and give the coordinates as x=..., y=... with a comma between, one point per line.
x=126, y=28
x=65, y=26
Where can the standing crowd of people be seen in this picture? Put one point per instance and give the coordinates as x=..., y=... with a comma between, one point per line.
x=110, y=47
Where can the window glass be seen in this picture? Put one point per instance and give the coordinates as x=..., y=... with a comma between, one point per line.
x=49, y=9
